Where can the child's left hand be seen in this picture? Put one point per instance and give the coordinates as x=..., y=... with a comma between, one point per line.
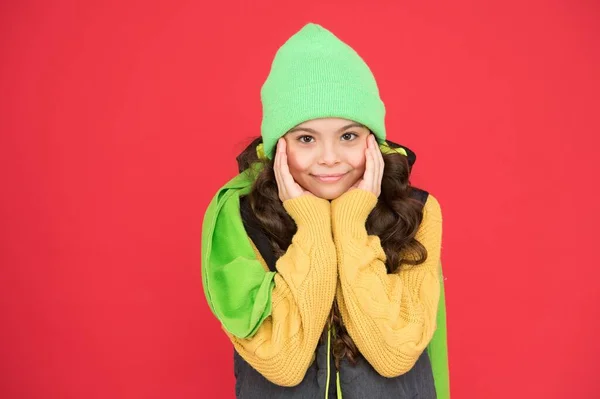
x=371, y=180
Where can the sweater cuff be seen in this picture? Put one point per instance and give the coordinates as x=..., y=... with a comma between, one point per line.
x=353, y=208
x=311, y=214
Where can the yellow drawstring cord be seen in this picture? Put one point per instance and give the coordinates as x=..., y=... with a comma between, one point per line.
x=337, y=374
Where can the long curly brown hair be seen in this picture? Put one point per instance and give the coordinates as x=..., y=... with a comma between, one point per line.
x=395, y=219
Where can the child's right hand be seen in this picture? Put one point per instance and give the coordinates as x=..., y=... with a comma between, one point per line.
x=288, y=188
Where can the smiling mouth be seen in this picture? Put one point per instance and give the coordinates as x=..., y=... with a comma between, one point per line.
x=329, y=178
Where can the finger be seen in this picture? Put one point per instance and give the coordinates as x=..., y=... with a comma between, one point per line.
x=285, y=169
x=375, y=170
x=277, y=170
x=379, y=156
x=276, y=163
x=375, y=154
x=379, y=164
x=364, y=181
x=372, y=159
x=290, y=184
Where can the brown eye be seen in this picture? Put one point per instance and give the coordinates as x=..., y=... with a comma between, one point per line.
x=349, y=136
x=305, y=139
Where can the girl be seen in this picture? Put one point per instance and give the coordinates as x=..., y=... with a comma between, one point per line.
x=320, y=260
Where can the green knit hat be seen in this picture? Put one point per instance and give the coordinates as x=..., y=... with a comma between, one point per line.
x=316, y=75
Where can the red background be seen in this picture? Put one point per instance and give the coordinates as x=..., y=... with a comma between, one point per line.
x=118, y=122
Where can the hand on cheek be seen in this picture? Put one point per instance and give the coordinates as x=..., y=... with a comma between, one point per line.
x=371, y=180
x=288, y=188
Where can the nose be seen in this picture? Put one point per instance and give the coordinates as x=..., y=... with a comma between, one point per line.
x=329, y=155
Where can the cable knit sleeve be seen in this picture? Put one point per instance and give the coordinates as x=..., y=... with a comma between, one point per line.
x=390, y=317
x=283, y=346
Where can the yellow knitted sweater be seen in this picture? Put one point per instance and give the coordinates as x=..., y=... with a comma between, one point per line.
x=390, y=317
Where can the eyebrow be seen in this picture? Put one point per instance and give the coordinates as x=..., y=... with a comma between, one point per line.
x=313, y=131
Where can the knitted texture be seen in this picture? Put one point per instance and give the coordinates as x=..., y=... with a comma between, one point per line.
x=316, y=75
x=284, y=345
x=391, y=317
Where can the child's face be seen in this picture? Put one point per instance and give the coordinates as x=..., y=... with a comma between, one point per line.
x=327, y=156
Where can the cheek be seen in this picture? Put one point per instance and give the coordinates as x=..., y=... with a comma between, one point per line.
x=297, y=162
x=356, y=159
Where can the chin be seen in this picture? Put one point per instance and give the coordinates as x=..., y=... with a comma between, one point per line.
x=329, y=193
